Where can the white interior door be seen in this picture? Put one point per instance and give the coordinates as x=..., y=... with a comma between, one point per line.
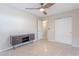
x=63, y=30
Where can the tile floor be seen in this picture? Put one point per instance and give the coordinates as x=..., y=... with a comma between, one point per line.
x=43, y=48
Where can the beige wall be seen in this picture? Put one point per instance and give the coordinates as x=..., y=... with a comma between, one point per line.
x=75, y=25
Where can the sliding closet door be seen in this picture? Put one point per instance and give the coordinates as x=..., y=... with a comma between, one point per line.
x=63, y=30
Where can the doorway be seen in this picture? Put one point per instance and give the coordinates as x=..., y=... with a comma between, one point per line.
x=45, y=29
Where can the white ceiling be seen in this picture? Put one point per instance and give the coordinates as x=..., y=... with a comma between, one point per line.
x=55, y=9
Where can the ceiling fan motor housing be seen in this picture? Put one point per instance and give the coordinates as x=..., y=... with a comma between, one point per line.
x=42, y=3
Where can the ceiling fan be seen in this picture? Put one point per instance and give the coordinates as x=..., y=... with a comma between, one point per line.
x=43, y=7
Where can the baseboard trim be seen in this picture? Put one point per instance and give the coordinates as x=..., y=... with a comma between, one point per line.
x=30, y=42
x=52, y=40
x=60, y=42
x=75, y=46
x=64, y=43
x=15, y=46
x=6, y=49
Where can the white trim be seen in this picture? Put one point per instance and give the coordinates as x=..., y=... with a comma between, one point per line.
x=6, y=49
x=61, y=42
x=35, y=40
x=64, y=43
x=52, y=40
x=75, y=46
x=15, y=46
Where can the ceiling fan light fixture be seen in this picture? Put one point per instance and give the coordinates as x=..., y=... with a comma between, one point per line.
x=42, y=9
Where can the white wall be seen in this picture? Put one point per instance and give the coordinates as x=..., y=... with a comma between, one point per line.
x=75, y=25
x=15, y=22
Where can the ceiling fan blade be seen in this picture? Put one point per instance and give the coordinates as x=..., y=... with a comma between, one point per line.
x=48, y=5
x=32, y=8
x=45, y=12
